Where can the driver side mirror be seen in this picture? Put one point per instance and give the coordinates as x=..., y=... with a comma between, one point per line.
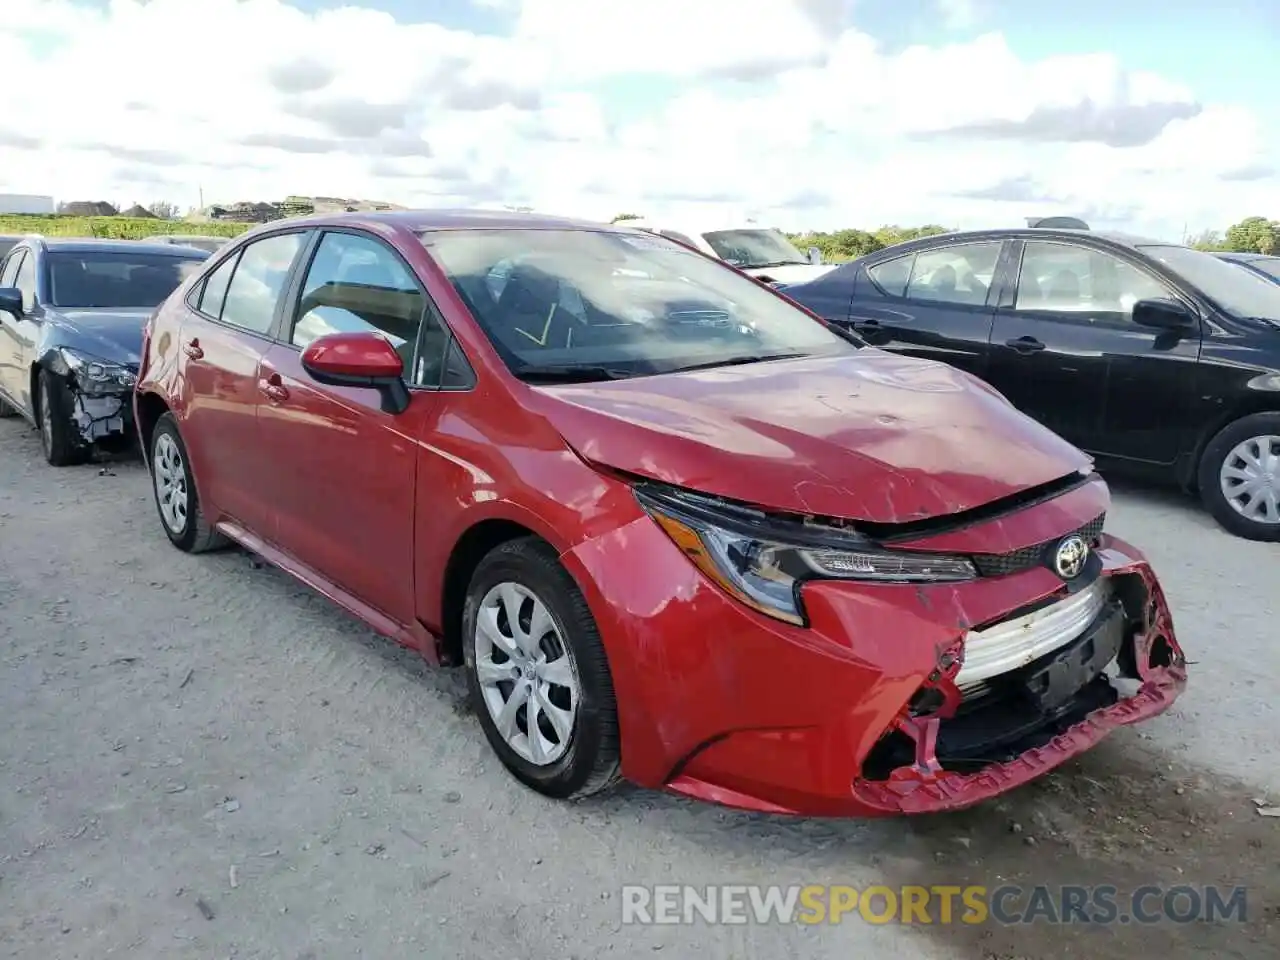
x=1164, y=314
x=815, y=256
x=359, y=360
x=11, y=301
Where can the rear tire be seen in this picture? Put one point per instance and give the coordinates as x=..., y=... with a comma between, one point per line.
x=62, y=443
x=1239, y=477
x=174, y=488
x=573, y=749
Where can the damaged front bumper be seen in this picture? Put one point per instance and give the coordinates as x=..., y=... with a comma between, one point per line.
x=99, y=398
x=1065, y=702
x=99, y=417
x=869, y=711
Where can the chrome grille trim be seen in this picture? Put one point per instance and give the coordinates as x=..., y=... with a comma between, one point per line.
x=1015, y=643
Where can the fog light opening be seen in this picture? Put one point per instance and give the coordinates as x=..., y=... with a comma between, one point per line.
x=1161, y=654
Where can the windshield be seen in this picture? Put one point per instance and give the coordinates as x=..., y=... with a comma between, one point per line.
x=594, y=304
x=1239, y=292
x=110, y=279
x=754, y=248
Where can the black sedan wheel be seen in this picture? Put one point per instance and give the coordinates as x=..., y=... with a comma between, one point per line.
x=63, y=446
x=1240, y=477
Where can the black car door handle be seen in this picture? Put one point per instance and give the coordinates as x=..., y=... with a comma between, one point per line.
x=866, y=324
x=1025, y=345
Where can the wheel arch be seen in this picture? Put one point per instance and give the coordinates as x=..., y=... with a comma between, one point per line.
x=1251, y=403
x=148, y=409
x=469, y=549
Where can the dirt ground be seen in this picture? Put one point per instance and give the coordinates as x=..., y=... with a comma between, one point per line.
x=202, y=759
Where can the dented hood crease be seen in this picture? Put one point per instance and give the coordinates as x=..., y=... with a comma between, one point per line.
x=869, y=436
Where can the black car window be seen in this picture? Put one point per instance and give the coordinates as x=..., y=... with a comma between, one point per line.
x=258, y=281
x=1065, y=278
x=26, y=281
x=356, y=283
x=9, y=274
x=112, y=278
x=892, y=275
x=960, y=274
x=214, y=290
x=1270, y=267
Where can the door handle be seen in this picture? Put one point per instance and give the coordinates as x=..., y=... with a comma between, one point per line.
x=866, y=324
x=193, y=350
x=1025, y=345
x=274, y=389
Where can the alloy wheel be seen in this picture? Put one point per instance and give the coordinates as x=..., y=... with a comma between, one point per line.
x=1250, y=479
x=170, y=478
x=527, y=675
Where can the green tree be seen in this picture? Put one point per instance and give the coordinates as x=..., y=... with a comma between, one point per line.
x=1207, y=240
x=625, y=216
x=1254, y=235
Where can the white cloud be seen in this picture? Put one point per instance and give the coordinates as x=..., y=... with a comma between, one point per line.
x=779, y=111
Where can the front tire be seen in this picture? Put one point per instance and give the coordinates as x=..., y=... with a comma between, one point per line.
x=1239, y=477
x=59, y=439
x=538, y=674
x=174, y=487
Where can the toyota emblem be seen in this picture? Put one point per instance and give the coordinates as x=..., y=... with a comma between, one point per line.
x=1070, y=557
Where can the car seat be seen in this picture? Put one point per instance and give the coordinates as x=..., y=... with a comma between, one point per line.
x=943, y=282
x=529, y=312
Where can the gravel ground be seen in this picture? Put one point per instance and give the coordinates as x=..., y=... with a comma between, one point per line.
x=203, y=759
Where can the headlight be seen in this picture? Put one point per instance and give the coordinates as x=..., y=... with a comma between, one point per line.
x=98, y=376
x=763, y=562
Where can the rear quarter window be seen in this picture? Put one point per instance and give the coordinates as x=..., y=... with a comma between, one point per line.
x=891, y=276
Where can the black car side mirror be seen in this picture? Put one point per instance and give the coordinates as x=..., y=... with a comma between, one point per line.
x=11, y=300
x=1163, y=314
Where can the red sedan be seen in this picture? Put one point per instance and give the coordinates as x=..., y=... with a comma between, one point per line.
x=674, y=528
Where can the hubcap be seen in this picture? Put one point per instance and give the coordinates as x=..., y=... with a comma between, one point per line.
x=171, y=483
x=1250, y=479
x=527, y=675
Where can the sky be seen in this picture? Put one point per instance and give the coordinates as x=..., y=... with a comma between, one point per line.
x=1154, y=116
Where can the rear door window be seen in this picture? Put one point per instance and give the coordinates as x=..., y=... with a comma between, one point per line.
x=214, y=290
x=959, y=274
x=259, y=280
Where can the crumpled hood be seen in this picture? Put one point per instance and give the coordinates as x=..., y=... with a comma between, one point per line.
x=108, y=334
x=792, y=273
x=871, y=436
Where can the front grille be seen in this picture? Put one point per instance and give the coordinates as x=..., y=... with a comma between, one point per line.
x=1010, y=644
x=1003, y=564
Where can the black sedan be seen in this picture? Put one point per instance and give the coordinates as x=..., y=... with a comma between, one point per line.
x=1157, y=359
x=71, y=318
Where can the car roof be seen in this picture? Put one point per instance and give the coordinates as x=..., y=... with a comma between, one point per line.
x=446, y=220
x=1025, y=233
x=90, y=245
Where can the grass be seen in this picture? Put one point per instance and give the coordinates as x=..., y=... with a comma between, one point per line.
x=112, y=228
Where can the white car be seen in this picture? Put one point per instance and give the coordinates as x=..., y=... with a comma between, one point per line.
x=763, y=252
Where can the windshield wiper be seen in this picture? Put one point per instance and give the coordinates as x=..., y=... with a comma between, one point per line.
x=736, y=361
x=570, y=373
x=781, y=263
